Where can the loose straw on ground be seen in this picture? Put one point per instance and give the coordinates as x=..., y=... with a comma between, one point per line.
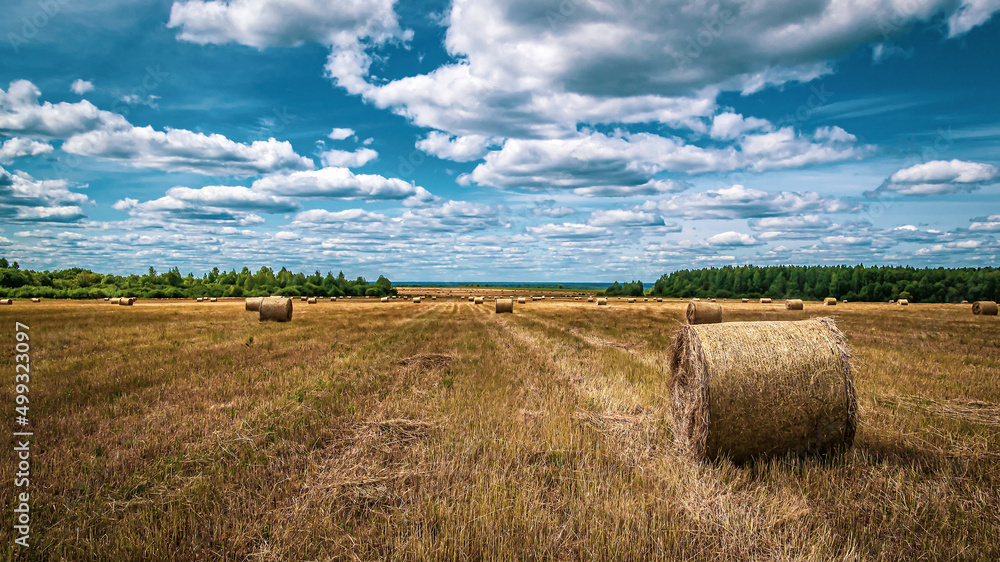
x=745, y=390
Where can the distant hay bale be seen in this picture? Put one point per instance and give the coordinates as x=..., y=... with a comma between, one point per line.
x=645, y=299
x=385, y=299
x=765, y=300
x=745, y=300
x=275, y=309
x=746, y=390
x=416, y=300
x=106, y=299
x=590, y=299
x=214, y=299
x=253, y=304
x=703, y=313
x=6, y=301
x=115, y=300
x=126, y=301
x=711, y=300
x=333, y=299
x=312, y=300
x=844, y=301
x=631, y=299
x=479, y=300
x=794, y=304
x=829, y=301
x=602, y=301
x=472, y=299
x=892, y=302
x=984, y=308
x=36, y=299
x=505, y=305
x=304, y=299
x=696, y=299
x=521, y=300
x=963, y=302
x=903, y=302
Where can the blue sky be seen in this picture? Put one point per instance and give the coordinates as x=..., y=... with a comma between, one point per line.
x=566, y=140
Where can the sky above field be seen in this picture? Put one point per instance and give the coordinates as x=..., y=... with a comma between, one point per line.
x=498, y=140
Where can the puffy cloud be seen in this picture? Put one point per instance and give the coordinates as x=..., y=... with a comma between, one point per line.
x=277, y=23
x=740, y=202
x=23, y=198
x=624, y=217
x=341, y=183
x=22, y=114
x=729, y=126
x=841, y=240
x=322, y=216
x=553, y=211
x=990, y=223
x=733, y=238
x=80, y=86
x=20, y=147
x=341, y=134
x=791, y=227
x=458, y=149
x=452, y=216
x=170, y=211
x=179, y=150
x=970, y=14
x=569, y=230
x=233, y=197
x=939, y=177
x=347, y=159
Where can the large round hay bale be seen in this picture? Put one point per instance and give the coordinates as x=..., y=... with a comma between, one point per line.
x=521, y=300
x=901, y=302
x=312, y=300
x=745, y=390
x=984, y=308
x=505, y=305
x=794, y=304
x=115, y=300
x=829, y=301
x=126, y=301
x=416, y=300
x=590, y=299
x=253, y=304
x=6, y=301
x=703, y=313
x=275, y=309
x=478, y=300
x=603, y=301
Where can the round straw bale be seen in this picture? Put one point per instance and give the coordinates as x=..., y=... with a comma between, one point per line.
x=703, y=313
x=829, y=301
x=745, y=390
x=844, y=301
x=253, y=304
x=745, y=300
x=125, y=301
x=603, y=301
x=333, y=299
x=416, y=300
x=963, y=302
x=214, y=299
x=765, y=300
x=6, y=301
x=903, y=302
x=505, y=305
x=106, y=299
x=275, y=309
x=472, y=299
x=36, y=299
x=521, y=300
x=115, y=300
x=696, y=299
x=892, y=302
x=984, y=308
x=590, y=299
x=631, y=299
x=647, y=299
x=312, y=300
x=478, y=300
x=384, y=299
x=794, y=304
x=304, y=299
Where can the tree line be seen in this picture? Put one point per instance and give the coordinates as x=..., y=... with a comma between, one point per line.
x=77, y=283
x=854, y=283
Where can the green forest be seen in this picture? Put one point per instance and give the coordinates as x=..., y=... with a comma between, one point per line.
x=77, y=283
x=854, y=283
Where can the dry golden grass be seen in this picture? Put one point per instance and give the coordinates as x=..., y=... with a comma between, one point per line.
x=363, y=430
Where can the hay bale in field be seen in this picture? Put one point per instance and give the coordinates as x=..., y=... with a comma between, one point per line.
x=711, y=300
x=505, y=305
x=303, y=299
x=275, y=309
x=521, y=300
x=794, y=304
x=765, y=300
x=892, y=302
x=36, y=299
x=384, y=299
x=478, y=300
x=829, y=301
x=696, y=299
x=984, y=308
x=214, y=299
x=416, y=300
x=333, y=299
x=844, y=301
x=106, y=299
x=312, y=300
x=703, y=313
x=472, y=299
x=746, y=390
x=631, y=299
x=114, y=300
x=253, y=304
x=963, y=302
x=645, y=299
x=126, y=301
x=603, y=301
x=590, y=299
x=744, y=300
x=903, y=302
x=6, y=301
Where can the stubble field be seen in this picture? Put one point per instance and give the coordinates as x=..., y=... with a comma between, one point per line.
x=440, y=430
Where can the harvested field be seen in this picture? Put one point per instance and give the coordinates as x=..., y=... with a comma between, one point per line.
x=446, y=431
